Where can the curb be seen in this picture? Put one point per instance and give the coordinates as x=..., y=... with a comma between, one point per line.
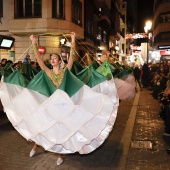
x=125, y=142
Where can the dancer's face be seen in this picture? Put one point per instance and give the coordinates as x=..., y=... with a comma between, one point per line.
x=55, y=60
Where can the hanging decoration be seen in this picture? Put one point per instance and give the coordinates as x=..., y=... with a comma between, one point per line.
x=136, y=36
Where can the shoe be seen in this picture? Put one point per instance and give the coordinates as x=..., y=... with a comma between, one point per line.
x=59, y=161
x=32, y=153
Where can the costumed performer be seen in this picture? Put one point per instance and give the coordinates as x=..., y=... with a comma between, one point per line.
x=56, y=74
x=62, y=119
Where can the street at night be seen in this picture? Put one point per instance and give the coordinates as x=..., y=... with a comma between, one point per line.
x=136, y=142
x=85, y=85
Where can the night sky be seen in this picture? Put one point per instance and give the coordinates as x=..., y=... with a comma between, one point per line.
x=145, y=12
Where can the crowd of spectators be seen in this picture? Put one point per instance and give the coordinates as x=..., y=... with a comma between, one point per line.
x=152, y=76
x=156, y=78
x=159, y=84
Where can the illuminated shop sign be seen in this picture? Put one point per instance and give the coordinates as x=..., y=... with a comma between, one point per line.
x=165, y=52
x=164, y=47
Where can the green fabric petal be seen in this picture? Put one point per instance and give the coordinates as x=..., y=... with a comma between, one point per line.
x=28, y=71
x=111, y=68
x=76, y=68
x=95, y=78
x=84, y=75
x=42, y=84
x=124, y=72
x=104, y=70
x=95, y=64
x=7, y=70
x=116, y=72
x=70, y=84
x=90, y=77
x=17, y=79
x=117, y=65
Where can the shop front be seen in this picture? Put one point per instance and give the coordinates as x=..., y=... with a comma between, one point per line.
x=165, y=55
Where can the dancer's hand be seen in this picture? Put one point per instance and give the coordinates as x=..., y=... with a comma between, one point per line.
x=33, y=38
x=73, y=35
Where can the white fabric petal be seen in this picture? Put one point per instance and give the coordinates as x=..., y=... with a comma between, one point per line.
x=125, y=90
x=59, y=123
x=108, y=88
x=22, y=105
x=8, y=92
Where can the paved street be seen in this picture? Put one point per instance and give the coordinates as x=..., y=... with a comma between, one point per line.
x=135, y=143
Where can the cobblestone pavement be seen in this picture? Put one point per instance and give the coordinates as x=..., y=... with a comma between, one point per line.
x=128, y=147
x=148, y=147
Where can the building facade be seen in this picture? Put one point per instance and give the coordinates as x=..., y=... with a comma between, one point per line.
x=96, y=23
x=161, y=28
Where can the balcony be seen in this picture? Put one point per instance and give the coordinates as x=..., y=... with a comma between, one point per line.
x=161, y=27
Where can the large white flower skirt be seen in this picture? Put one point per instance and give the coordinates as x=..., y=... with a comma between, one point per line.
x=59, y=123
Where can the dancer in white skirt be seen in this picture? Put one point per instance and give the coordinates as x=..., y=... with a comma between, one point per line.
x=56, y=74
x=65, y=120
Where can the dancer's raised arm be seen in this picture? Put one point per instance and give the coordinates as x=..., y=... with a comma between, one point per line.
x=40, y=60
x=72, y=51
x=38, y=56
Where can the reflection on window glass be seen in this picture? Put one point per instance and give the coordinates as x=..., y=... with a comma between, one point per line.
x=58, y=9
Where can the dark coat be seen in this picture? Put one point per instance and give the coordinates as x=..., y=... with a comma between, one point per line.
x=136, y=72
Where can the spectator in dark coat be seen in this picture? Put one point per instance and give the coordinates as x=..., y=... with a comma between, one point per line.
x=137, y=74
x=145, y=75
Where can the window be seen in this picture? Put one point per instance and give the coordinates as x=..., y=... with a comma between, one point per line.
x=28, y=8
x=58, y=9
x=162, y=37
x=165, y=17
x=1, y=8
x=89, y=26
x=77, y=12
x=37, y=8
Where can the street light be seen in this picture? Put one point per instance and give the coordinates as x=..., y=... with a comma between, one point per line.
x=147, y=28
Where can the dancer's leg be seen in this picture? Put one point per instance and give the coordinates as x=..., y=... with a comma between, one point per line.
x=33, y=150
x=59, y=159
